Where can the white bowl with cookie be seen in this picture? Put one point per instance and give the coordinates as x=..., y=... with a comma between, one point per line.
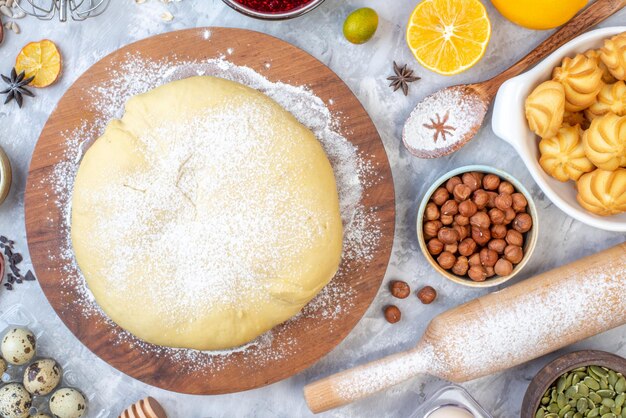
x=581, y=170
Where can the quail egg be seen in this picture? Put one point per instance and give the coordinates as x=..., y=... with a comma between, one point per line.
x=68, y=403
x=18, y=346
x=15, y=401
x=3, y=366
x=42, y=376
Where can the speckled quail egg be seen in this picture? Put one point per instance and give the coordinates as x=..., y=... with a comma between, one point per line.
x=68, y=403
x=42, y=376
x=18, y=346
x=15, y=401
x=3, y=366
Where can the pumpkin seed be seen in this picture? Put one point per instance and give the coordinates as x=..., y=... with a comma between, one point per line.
x=582, y=405
x=608, y=402
x=591, y=383
x=593, y=413
x=609, y=415
x=612, y=378
x=599, y=371
x=569, y=414
x=564, y=410
x=583, y=389
x=540, y=413
x=620, y=385
x=604, y=410
x=560, y=384
x=575, y=379
x=620, y=399
x=553, y=415
x=578, y=415
x=605, y=393
x=571, y=391
x=545, y=400
x=554, y=408
x=561, y=400
x=595, y=397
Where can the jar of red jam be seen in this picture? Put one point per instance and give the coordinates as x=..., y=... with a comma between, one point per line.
x=273, y=9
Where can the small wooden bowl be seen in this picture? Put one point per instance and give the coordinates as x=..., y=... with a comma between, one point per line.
x=529, y=243
x=552, y=371
x=5, y=176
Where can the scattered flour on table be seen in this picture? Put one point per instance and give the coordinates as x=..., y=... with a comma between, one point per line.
x=354, y=173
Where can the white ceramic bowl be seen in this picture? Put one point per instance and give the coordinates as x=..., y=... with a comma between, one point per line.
x=509, y=123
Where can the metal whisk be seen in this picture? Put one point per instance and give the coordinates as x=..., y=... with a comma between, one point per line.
x=77, y=9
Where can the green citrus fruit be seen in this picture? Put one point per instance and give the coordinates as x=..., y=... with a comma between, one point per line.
x=360, y=25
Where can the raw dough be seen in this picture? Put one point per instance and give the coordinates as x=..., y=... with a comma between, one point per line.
x=206, y=216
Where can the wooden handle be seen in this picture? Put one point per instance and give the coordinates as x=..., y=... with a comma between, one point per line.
x=594, y=14
x=497, y=331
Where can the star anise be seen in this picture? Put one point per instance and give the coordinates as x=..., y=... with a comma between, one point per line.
x=16, y=89
x=401, y=80
x=440, y=127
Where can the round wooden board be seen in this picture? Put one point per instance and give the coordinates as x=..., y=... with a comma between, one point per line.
x=309, y=338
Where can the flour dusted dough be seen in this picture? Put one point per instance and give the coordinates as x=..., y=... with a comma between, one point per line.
x=205, y=216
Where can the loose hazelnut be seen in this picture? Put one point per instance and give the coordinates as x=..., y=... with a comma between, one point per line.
x=488, y=257
x=462, y=230
x=427, y=295
x=399, y=289
x=481, y=235
x=522, y=222
x=432, y=211
x=503, y=201
x=503, y=267
x=498, y=231
x=506, y=187
x=496, y=216
x=440, y=196
x=490, y=271
x=480, y=199
x=471, y=180
x=509, y=215
x=448, y=235
x=461, y=192
x=498, y=245
x=474, y=260
x=519, y=202
x=514, y=237
x=392, y=314
x=477, y=273
x=435, y=247
x=461, y=266
x=446, y=260
x=467, y=247
x=451, y=248
x=492, y=199
x=491, y=181
x=513, y=253
x=481, y=220
x=452, y=183
x=431, y=228
x=450, y=207
x=461, y=220
x=467, y=208
x=447, y=219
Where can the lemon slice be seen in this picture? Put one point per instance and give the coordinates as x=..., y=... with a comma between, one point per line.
x=41, y=60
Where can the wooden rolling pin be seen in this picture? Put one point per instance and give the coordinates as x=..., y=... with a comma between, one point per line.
x=497, y=331
x=145, y=408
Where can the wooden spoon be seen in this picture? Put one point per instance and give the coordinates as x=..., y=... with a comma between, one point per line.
x=446, y=120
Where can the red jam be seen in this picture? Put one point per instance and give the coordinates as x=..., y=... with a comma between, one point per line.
x=273, y=6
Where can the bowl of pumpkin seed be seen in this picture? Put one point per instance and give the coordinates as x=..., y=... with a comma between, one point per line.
x=582, y=384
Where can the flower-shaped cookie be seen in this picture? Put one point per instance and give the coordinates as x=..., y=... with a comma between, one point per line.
x=612, y=99
x=582, y=80
x=603, y=192
x=605, y=141
x=563, y=155
x=607, y=77
x=545, y=107
x=613, y=55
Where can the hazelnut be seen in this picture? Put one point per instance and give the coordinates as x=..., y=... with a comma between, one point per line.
x=514, y=237
x=447, y=219
x=467, y=208
x=450, y=207
x=509, y=215
x=477, y=273
x=503, y=267
x=488, y=257
x=435, y=247
x=431, y=228
x=451, y=248
x=452, y=183
x=480, y=199
x=392, y=314
x=503, y=201
x=471, y=180
x=519, y=202
x=480, y=219
x=467, y=247
x=432, y=212
x=481, y=235
x=461, y=266
x=490, y=271
x=522, y=222
x=474, y=260
x=492, y=199
x=446, y=260
x=491, y=182
x=498, y=231
x=506, y=187
x=513, y=253
x=427, y=295
x=440, y=196
x=462, y=230
x=448, y=235
x=461, y=192
x=399, y=289
x=496, y=216
x=498, y=245
x=461, y=220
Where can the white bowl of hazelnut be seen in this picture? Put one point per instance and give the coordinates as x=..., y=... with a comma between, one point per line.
x=477, y=226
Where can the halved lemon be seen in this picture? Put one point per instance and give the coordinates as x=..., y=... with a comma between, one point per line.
x=448, y=36
x=41, y=60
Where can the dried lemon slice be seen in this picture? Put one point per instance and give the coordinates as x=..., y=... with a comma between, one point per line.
x=41, y=60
